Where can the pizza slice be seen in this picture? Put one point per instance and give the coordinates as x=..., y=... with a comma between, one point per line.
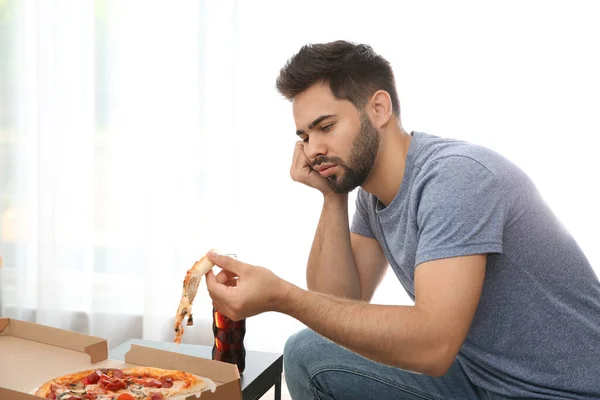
x=190, y=288
x=138, y=383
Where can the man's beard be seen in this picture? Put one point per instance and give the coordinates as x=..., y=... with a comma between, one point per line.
x=361, y=160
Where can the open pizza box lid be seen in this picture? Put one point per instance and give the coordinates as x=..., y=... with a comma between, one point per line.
x=31, y=354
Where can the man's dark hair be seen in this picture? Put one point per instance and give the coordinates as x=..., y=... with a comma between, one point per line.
x=354, y=72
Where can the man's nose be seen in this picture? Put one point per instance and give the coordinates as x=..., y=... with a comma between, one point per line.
x=314, y=148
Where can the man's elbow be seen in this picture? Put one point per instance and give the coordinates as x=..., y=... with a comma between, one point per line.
x=439, y=360
x=438, y=369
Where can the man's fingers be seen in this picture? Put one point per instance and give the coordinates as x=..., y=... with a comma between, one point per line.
x=227, y=278
x=298, y=150
x=300, y=162
x=227, y=263
x=211, y=279
x=300, y=159
x=215, y=288
x=221, y=277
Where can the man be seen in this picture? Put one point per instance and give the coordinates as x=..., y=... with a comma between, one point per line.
x=505, y=303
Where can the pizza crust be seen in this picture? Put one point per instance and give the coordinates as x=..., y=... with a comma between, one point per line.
x=209, y=385
x=43, y=390
x=202, y=266
x=63, y=380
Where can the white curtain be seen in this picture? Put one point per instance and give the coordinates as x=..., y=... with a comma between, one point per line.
x=136, y=135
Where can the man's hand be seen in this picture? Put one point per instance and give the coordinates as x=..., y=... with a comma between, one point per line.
x=302, y=172
x=242, y=290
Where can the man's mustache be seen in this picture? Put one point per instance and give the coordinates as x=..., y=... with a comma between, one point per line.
x=327, y=160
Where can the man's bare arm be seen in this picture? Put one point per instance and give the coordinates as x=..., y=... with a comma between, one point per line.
x=424, y=338
x=342, y=263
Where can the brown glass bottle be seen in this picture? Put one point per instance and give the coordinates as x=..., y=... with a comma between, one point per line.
x=229, y=340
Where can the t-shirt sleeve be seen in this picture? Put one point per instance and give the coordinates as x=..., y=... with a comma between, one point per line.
x=360, y=221
x=461, y=210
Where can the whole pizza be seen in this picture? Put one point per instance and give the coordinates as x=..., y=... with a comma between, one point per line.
x=138, y=383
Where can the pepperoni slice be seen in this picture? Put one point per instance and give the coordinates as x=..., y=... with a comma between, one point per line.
x=112, y=384
x=117, y=373
x=156, y=396
x=151, y=382
x=125, y=396
x=148, y=382
x=115, y=385
x=167, y=383
x=93, y=378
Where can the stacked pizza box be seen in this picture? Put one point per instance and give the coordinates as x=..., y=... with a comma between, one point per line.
x=32, y=354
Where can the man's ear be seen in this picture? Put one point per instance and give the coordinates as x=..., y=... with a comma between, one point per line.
x=380, y=108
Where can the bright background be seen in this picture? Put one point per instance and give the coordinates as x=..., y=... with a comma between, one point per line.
x=136, y=135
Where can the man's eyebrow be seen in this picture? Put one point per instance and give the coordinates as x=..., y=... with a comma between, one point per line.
x=315, y=123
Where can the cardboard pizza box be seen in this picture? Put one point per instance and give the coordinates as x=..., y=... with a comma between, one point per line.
x=31, y=354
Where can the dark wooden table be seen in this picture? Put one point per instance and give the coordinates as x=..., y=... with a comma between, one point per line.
x=263, y=370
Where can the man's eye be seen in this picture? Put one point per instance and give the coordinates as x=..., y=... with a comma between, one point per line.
x=305, y=140
x=327, y=128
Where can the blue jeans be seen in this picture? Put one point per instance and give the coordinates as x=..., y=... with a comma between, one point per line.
x=317, y=368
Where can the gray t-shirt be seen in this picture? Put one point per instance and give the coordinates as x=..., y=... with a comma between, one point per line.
x=536, y=332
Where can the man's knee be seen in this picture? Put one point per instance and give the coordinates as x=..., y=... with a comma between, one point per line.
x=295, y=350
x=299, y=355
